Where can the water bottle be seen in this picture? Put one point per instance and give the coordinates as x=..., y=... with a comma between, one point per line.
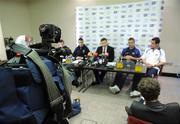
x=68, y=60
x=138, y=67
x=119, y=64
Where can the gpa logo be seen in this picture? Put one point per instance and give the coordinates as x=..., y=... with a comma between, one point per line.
x=138, y=10
x=151, y=25
x=114, y=30
x=115, y=12
x=107, y=26
x=100, y=35
x=100, y=18
x=136, y=30
x=87, y=27
x=93, y=31
x=93, y=13
x=129, y=6
x=124, y=6
x=154, y=2
x=80, y=19
x=160, y=30
x=146, y=4
x=130, y=21
x=107, y=8
x=145, y=15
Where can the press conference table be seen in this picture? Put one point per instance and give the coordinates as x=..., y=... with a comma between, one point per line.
x=85, y=69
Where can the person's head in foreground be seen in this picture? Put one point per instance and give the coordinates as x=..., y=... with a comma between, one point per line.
x=149, y=89
x=153, y=111
x=104, y=42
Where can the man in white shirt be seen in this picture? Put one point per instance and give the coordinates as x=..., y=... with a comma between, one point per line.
x=153, y=58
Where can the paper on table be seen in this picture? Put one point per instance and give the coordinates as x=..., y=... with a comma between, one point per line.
x=111, y=64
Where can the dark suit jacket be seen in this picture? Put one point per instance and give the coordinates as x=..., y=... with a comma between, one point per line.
x=110, y=50
x=156, y=112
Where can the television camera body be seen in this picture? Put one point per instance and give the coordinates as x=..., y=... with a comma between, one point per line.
x=30, y=95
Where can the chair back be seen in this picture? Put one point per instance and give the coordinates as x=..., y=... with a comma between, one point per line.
x=134, y=120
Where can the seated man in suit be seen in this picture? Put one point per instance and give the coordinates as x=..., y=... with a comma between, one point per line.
x=153, y=58
x=104, y=49
x=130, y=53
x=150, y=109
x=79, y=53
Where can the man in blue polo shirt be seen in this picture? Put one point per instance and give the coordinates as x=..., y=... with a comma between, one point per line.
x=130, y=53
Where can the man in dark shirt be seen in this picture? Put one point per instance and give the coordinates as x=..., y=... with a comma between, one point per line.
x=81, y=51
x=108, y=51
x=63, y=49
x=150, y=109
x=131, y=53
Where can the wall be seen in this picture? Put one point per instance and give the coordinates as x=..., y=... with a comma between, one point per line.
x=14, y=17
x=170, y=38
x=2, y=47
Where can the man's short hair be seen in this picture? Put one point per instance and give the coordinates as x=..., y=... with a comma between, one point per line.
x=149, y=88
x=131, y=38
x=156, y=39
x=102, y=39
x=61, y=41
x=81, y=39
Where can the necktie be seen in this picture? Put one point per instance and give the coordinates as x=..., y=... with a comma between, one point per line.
x=104, y=48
